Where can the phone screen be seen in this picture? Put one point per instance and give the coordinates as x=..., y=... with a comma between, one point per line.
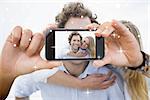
x=73, y=44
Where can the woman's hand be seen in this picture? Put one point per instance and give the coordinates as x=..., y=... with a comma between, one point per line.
x=98, y=81
x=122, y=48
x=21, y=53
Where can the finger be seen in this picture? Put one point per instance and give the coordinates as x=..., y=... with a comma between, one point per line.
x=96, y=75
x=35, y=44
x=41, y=46
x=104, y=30
x=97, y=33
x=109, y=74
x=52, y=26
x=92, y=26
x=49, y=26
x=120, y=28
x=107, y=32
x=25, y=39
x=108, y=83
x=104, y=87
x=106, y=77
x=107, y=86
x=16, y=35
x=100, y=29
x=9, y=39
x=45, y=31
x=104, y=61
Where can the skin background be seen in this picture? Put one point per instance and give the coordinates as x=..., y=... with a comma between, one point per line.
x=37, y=14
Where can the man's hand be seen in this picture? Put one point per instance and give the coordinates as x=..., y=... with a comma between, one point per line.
x=122, y=48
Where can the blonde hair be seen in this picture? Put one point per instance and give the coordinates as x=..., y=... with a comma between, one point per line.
x=91, y=46
x=136, y=82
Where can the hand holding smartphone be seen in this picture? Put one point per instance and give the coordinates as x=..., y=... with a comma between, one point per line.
x=73, y=44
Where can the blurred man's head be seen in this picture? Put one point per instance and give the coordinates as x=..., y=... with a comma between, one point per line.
x=74, y=16
x=74, y=10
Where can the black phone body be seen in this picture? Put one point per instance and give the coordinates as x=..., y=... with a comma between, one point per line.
x=58, y=47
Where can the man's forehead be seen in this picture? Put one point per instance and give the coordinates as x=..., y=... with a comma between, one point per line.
x=76, y=36
x=77, y=23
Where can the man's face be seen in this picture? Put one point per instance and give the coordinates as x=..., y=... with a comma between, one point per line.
x=75, y=43
x=77, y=23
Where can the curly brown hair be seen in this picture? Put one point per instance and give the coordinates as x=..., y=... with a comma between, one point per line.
x=73, y=9
x=74, y=33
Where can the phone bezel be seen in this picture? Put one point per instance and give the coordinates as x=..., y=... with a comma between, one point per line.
x=49, y=56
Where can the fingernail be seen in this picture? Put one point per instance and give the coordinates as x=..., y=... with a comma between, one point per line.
x=97, y=34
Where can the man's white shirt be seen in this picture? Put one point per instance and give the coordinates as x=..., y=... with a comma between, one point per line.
x=27, y=84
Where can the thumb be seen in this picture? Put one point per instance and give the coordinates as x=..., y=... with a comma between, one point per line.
x=49, y=27
x=101, y=63
x=43, y=64
x=52, y=26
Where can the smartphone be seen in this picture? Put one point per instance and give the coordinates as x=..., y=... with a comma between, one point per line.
x=73, y=44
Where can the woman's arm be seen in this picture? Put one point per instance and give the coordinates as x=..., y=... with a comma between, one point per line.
x=28, y=82
x=17, y=59
x=94, y=81
x=144, y=68
x=5, y=84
